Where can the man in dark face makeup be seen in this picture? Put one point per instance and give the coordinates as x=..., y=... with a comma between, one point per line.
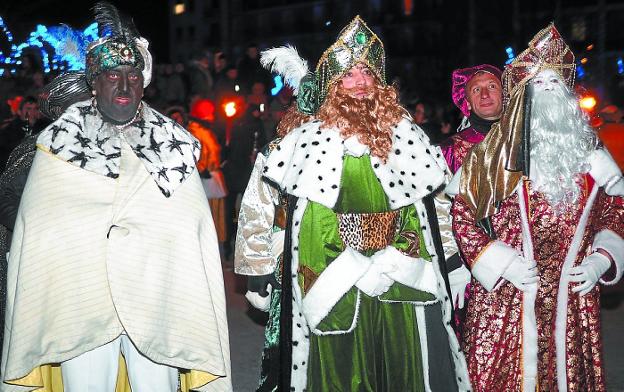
x=118, y=93
x=115, y=210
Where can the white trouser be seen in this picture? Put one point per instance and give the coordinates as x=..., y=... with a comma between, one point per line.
x=96, y=370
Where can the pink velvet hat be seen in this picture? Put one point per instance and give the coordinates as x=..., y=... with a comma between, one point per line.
x=462, y=76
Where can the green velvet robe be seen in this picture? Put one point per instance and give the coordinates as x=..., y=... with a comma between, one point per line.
x=382, y=352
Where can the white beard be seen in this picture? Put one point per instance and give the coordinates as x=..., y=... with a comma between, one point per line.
x=561, y=141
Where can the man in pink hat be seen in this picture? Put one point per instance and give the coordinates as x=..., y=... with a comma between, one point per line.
x=477, y=92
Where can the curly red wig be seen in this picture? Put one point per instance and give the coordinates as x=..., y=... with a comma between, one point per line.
x=370, y=118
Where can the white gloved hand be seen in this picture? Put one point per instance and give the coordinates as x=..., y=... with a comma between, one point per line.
x=259, y=302
x=522, y=273
x=375, y=282
x=589, y=272
x=459, y=278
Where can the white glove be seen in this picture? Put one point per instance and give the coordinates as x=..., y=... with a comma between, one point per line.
x=522, y=273
x=589, y=272
x=459, y=278
x=259, y=302
x=375, y=282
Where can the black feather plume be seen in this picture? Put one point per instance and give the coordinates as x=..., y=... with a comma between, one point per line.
x=112, y=23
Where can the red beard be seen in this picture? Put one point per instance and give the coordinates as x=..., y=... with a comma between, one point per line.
x=370, y=118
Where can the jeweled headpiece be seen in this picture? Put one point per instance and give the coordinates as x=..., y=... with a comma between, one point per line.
x=461, y=77
x=356, y=44
x=492, y=169
x=547, y=50
x=120, y=45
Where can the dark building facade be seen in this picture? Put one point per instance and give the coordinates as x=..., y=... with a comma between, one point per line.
x=425, y=40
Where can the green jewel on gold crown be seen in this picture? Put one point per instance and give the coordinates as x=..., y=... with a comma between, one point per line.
x=356, y=44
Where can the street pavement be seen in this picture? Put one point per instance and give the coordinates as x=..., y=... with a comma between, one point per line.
x=246, y=337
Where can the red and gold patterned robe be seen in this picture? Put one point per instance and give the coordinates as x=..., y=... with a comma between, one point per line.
x=550, y=340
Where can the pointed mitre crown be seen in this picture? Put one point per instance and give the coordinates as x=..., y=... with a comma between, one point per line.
x=357, y=43
x=547, y=50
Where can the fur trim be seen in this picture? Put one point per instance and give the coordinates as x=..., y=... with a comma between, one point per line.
x=414, y=168
x=562, y=294
x=614, y=245
x=331, y=286
x=606, y=172
x=452, y=189
x=300, y=330
x=413, y=272
x=81, y=137
x=529, y=320
x=285, y=60
x=421, y=321
x=308, y=164
x=488, y=268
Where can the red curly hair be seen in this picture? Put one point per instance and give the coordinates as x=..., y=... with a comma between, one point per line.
x=292, y=119
x=370, y=118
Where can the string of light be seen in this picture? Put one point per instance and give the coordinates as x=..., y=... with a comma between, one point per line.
x=61, y=47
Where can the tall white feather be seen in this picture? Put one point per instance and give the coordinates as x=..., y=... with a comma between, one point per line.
x=285, y=61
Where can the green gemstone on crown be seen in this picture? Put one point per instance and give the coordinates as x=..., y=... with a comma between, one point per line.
x=360, y=38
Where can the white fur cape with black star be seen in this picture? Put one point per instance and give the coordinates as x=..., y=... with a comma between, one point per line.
x=80, y=136
x=308, y=163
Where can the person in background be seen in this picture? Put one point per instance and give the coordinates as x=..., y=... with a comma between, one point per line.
x=259, y=97
x=219, y=65
x=242, y=144
x=209, y=163
x=174, y=91
x=478, y=93
x=278, y=107
x=227, y=86
x=250, y=70
x=423, y=117
x=27, y=122
x=201, y=79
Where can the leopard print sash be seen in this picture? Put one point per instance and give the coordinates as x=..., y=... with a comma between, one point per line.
x=368, y=231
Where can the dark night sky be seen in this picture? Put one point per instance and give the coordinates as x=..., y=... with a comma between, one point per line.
x=150, y=17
